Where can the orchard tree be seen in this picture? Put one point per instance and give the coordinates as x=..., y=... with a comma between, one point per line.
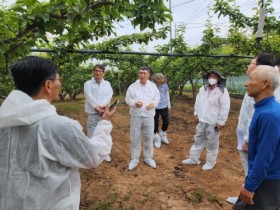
x=29, y=21
x=73, y=24
x=175, y=68
x=240, y=22
x=125, y=70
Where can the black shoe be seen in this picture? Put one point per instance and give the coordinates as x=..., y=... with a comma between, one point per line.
x=239, y=205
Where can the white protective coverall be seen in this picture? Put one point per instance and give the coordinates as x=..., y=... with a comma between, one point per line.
x=211, y=110
x=142, y=120
x=245, y=116
x=96, y=95
x=41, y=153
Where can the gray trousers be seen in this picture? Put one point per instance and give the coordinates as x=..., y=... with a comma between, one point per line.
x=244, y=160
x=93, y=119
x=204, y=132
x=141, y=126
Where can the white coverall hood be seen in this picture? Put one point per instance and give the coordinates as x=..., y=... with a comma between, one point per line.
x=20, y=109
x=41, y=153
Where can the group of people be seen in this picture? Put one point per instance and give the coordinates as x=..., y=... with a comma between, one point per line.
x=41, y=151
x=258, y=136
x=147, y=100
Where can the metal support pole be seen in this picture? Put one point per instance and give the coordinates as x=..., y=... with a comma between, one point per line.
x=170, y=21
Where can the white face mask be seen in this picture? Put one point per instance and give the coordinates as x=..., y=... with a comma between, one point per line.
x=212, y=81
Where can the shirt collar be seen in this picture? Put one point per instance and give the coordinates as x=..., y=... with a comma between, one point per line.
x=212, y=87
x=94, y=81
x=264, y=101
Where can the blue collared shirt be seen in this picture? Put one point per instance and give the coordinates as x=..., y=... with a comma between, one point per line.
x=264, y=144
x=163, y=89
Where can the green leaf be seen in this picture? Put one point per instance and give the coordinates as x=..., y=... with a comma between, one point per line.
x=45, y=17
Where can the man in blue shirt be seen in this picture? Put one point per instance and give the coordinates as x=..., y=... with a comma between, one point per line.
x=262, y=185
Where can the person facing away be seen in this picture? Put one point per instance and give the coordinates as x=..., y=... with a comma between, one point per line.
x=161, y=110
x=262, y=184
x=277, y=64
x=41, y=151
x=245, y=116
x=142, y=97
x=211, y=111
x=98, y=93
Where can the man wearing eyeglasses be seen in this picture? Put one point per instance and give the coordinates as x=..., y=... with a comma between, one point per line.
x=40, y=151
x=98, y=93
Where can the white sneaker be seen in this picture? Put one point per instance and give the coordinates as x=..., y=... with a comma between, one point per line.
x=107, y=158
x=232, y=200
x=157, y=142
x=133, y=163
x=163, y=137
x=207, y=166
x=190, y=161
x=150, y=162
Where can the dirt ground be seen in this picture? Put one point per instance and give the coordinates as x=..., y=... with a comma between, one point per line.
x=172, y=185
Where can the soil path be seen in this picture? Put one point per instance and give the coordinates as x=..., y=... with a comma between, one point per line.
x=172, y=185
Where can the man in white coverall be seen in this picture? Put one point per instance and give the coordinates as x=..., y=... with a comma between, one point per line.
x=142, y=97
x=211, y=111
x=40, y=151
x=98, y=93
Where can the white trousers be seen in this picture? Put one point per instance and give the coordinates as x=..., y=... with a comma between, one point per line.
x=204, y=132
x=141, y=126
x=92, y=122
x=244, y=160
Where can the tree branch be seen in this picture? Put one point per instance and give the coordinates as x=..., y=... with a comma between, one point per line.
x=28, y=28
x=96, y=5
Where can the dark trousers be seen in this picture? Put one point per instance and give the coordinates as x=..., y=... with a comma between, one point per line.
x=266, y=197
x=165, y=120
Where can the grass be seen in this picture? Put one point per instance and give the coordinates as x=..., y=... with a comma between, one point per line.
x=109, y=203
x=198, y=196
x=214, y=198
x=127, y=197
x=70, y=106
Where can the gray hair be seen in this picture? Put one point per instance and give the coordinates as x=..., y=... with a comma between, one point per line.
x=269, y=73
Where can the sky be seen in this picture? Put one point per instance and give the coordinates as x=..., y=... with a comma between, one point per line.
x=193, y=14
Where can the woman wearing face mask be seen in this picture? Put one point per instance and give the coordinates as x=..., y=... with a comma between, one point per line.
x=211, y=111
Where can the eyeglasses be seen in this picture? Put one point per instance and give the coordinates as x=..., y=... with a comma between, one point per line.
x=253, y=64
x=60, y=79
x=98, y=70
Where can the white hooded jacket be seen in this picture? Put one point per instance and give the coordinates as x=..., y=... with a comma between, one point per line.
x=41, y=153
x=214, y=108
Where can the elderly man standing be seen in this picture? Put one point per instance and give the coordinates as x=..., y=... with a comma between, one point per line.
x=247, y=110
x=211, y=111
x=262, y=185
x=244, y=119
x=142, y=97
x=98, y=93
